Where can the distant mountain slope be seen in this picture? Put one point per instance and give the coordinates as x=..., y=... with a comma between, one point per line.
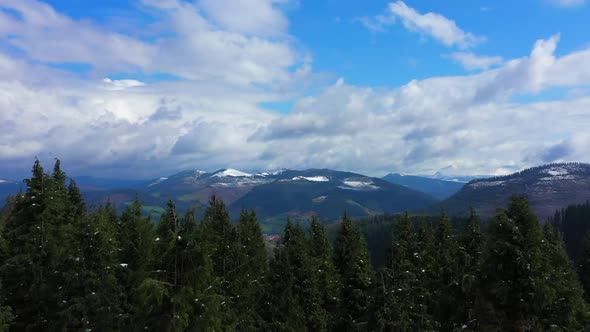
x=549, y=187
x=8, y=187
x=440, y=189
x=329, y=194
x=277, y=195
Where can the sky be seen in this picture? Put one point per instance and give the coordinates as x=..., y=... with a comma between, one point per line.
x=147, y=88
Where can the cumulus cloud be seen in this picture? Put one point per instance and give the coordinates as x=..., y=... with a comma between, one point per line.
x=467, y=122
x=210, y=115
x=436, y=26
x=473, y=61
x=187, y=44
x=258, y=17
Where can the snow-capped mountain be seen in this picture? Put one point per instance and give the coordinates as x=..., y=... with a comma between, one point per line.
x=278, y=194
x=549, y=188
x=231, y=173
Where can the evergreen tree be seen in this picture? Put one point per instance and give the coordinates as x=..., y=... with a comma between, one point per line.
x=93, y=298
x=566, y=309
x=352, y=263
x=136, y=240
x=220, y=241
x=6, y=315
x=285, y=311
x=250, y=282
x=513, y=285
x=446, y=289
x=583, y=268
x=323, y=295
x=469, y=261
x=30, y=273
x=403, y=294
x=175, y=297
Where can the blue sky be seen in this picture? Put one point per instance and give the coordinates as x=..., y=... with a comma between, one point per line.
x=144, y=88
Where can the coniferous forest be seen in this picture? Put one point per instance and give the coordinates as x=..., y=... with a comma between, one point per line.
x=65, y=267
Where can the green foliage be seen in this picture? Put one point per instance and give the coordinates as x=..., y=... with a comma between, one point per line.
x=93, y=298
x=583, y=267
x=63, y=268
x=402, y=296
x=351, y=260
x=285, y=310
x=447, y=285
x=137, y=240
x=220, y=241
x=250, y=283
x=574, y=223
x=565, y=309
x=513, y=283
x=35, y=251
x=469, y=271
x=325, y=281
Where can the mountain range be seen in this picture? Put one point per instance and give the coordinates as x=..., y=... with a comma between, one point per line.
x=548, y=188
x=276, y=196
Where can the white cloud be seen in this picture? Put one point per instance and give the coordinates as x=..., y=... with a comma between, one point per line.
x=473, y=61
x=466, y=122
x=187, y=45
x=260, y=17
x=439, y=27
x=211, y=118
x=434, y=25
x=377, y=23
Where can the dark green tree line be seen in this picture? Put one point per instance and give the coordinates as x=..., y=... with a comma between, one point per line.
x=66, y=268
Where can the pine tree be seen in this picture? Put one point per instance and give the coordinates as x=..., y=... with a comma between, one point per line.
x=583, y=268
x=426, y=270
x=175, y=297
x=566, y=309
x=447, y=289
x=250, y=283
x=284, y=308
x=403, y=293
x=326, y=286
x=93, y=298
x=136, y=240
x=352, y=263
x=469, y=261
x=220, y=241
x=513, y=286
x=202, y=285
x=158, y=309
x=30, y=270
x=6, y=314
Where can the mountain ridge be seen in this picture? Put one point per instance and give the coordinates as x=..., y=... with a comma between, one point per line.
x=438, y=188
x=549, y=188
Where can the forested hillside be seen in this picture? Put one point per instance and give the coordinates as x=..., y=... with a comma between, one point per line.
x=548, y=187
x=66, y=268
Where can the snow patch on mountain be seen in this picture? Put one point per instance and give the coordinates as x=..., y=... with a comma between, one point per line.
x=230, y=172
x=557, y=171
x=311, y=178
x=365, y=185
x=558, y=178
x=158, y=181
x=480, y=184
x=243, y=181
